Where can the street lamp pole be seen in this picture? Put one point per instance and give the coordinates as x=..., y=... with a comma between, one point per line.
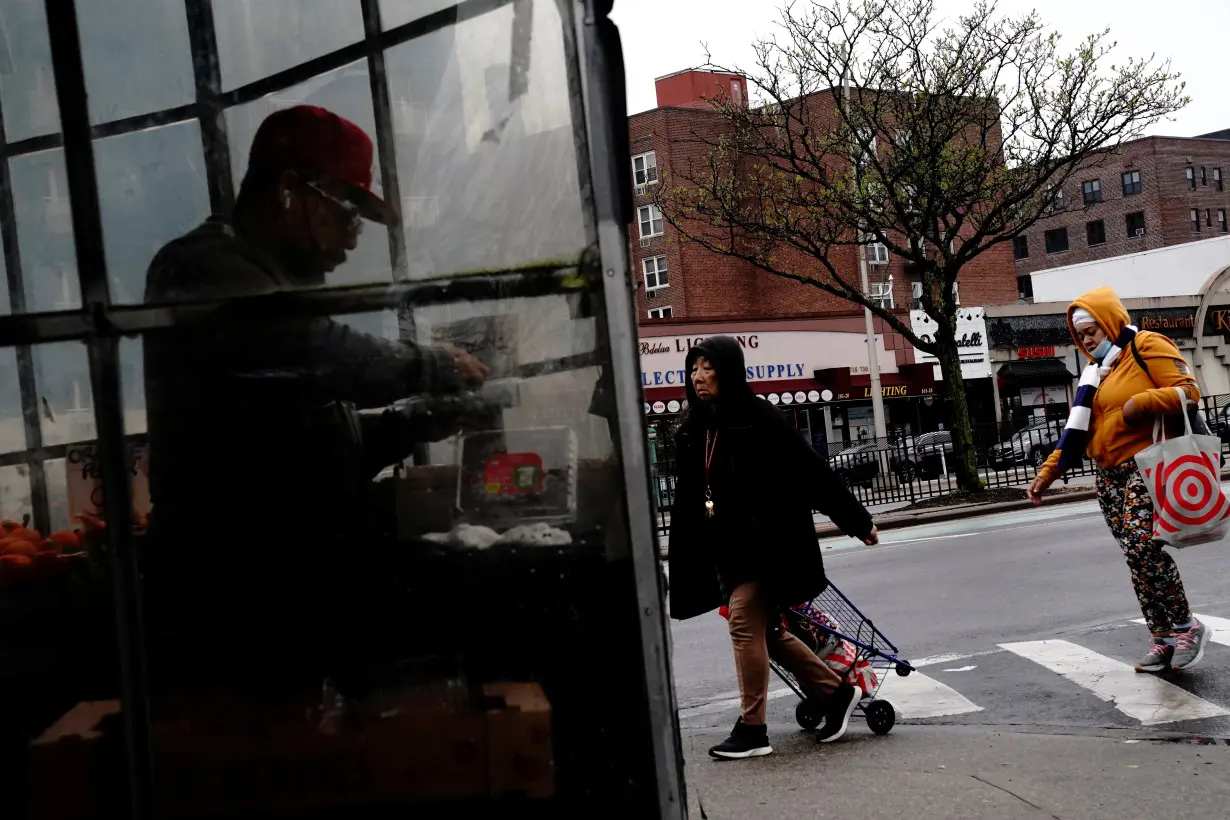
x=873, y=357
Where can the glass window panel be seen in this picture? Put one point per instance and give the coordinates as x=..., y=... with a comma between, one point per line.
x=57, y=641
x=257, y=38
x=345, y=92
x=486, y=181
x=15, y=500
x=132, y=376
x=27, y=86
x=136, y=55
x=5, y=305
x=12, y=427
x=152, y=189
x=45, y=231
x=66, y=405
x=395, y=13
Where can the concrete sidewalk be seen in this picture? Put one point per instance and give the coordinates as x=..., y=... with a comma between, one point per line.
x=960, y=773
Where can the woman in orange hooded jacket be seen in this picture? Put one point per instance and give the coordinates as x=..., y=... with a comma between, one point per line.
x=1129, y=382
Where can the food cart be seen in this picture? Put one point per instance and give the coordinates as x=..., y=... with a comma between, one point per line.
x=514, y=660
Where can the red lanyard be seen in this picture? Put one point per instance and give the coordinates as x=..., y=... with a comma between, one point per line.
x=709, y=448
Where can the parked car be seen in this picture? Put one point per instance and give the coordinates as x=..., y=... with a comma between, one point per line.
x=930, y=452
x=857, y=465
x=901, y=459
x=1029, y=445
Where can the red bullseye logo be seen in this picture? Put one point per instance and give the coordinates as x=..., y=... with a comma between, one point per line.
x=1187, y=493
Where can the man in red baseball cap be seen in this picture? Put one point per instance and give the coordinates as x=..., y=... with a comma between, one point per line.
x=263, y=423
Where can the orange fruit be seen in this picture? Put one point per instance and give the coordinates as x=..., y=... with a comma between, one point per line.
x=33, y=536
x=17, y=546
x=64, y=539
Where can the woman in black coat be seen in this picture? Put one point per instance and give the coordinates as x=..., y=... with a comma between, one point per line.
x=742, y=535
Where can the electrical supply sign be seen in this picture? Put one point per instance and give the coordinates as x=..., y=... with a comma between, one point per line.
x=768, y=355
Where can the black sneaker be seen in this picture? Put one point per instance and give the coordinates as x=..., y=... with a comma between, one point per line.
x=841, y=704
x=744, y=741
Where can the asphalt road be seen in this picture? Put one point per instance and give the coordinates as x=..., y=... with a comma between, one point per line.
x=1019, y=619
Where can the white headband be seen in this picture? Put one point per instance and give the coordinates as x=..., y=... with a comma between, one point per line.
x=1080, y=316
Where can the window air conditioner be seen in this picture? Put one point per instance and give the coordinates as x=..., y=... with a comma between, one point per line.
x=641, y=190
x=1140, y=231
x=645, y=240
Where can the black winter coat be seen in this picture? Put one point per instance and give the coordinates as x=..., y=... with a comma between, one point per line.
x=774, y=480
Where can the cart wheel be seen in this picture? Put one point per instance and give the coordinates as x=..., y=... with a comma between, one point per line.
x=903, y=670
x=880, y=716
x=809, y=714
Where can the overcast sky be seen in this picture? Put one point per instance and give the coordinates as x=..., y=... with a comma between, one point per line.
x=664, y=36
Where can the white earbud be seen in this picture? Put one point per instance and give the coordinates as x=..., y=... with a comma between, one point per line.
x=286, y=200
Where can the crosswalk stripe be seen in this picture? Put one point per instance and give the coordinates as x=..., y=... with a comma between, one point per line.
x=920, y=696
x=1146, y=698
x=1219, y=628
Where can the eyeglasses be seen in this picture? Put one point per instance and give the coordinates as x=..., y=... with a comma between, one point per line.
x=349, y=209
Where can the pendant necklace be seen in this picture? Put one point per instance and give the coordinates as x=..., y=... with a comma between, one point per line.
x=709, y=448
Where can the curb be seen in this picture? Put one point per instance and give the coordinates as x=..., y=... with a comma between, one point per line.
x=893, y=521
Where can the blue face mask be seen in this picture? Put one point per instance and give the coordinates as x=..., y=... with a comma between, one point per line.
x=1102, y=349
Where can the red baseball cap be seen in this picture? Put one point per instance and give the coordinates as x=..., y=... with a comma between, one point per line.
x=319, y=143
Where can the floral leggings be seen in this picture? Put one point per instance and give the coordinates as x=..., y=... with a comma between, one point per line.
x=1128, y=510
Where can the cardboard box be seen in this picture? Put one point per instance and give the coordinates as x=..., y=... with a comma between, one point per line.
x=217, y=754
x=519, y=751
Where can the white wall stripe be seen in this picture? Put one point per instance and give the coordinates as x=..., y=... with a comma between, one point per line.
x=1219, y=628
x=1146, y=698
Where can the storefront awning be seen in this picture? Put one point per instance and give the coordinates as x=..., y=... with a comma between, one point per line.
x=1030, y=370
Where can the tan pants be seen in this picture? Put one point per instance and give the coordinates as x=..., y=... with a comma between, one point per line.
x=749, y=621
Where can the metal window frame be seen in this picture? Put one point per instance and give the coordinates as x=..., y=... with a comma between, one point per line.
x=642, y=155
x=601, y=273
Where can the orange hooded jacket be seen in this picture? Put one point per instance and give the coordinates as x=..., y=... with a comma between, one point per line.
x=1112, y=441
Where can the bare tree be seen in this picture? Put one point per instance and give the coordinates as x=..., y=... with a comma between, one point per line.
x=876, y=123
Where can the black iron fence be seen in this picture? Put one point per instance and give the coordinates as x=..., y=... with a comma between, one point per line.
x=911, y=469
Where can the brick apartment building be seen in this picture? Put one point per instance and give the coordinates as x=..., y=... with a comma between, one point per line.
x=805, y=349
x=1153, y=193
x=680, y=281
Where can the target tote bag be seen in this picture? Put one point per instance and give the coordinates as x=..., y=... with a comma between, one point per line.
x=1184, y=478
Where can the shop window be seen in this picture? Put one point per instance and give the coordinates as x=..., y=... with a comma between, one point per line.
x=257, y=38
x=45, y=231
x=150, y=190
x=27, y=86
x=137, y=58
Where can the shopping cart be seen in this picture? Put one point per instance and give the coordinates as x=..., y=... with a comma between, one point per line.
x=832, y=626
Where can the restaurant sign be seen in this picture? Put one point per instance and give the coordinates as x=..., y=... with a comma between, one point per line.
x=972, y=342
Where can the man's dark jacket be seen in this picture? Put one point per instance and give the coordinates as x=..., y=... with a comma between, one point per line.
x=766, y=480
x=260, y=423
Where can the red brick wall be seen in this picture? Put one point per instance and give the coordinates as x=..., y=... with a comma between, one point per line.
x=1164, y=199
x=704, y=285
